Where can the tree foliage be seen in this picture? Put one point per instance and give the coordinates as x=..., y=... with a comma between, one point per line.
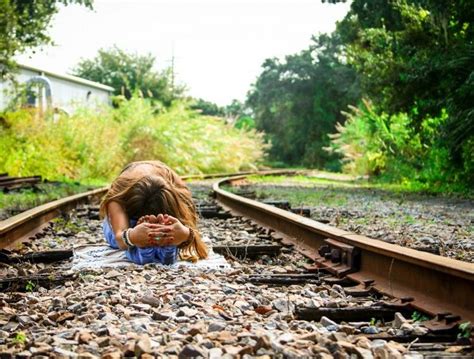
x=207, y=108
x=236, y=113
x=297, y=102
x=416, y=54
x=24, y=25
x=129, y=73
x=412, y=59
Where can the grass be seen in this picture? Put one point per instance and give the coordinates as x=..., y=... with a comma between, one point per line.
x=18, y=201
x=339, y=180
x=298, y=197
x=311, y=191
x=303, y=197
x=303, y=180
x=20, y=338
x=62, y=224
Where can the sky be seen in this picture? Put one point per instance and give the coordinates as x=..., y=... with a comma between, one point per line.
x=218, y=45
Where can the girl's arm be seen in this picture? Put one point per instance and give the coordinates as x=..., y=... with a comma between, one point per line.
x=118, y=221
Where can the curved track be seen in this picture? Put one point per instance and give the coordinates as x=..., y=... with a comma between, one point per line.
x=437, y=285
x=30, y=222
x=424, y=281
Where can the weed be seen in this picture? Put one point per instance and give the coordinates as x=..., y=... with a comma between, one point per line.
x=301, y=263
x=465, y=330
x=419, y=317
x=20, y=338
x=301, y=196
x=362, y=221
x=18, y=201
x=64, y=224
x=87, y=276
x=30, y=286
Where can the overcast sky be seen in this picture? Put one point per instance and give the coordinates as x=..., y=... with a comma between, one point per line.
x=218, y=45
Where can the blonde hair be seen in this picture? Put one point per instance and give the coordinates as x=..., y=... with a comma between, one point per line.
x=160, y=192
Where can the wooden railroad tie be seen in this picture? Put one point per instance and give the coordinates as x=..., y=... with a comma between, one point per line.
x=251, y=251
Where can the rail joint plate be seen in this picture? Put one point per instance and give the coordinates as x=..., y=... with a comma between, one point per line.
x=338, y=258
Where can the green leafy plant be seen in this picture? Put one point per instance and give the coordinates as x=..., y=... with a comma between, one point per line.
x=465, y=330
x=393, y=149
x=30, y=286
x=20, y=338
x=419, y=317
x=64, y=224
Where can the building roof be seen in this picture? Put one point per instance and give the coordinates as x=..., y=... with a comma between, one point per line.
x=67, y=77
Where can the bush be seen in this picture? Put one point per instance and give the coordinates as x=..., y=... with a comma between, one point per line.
x=390, y=147
x=94, y=145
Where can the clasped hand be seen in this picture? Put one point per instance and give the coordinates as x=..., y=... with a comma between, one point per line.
x=160, y=230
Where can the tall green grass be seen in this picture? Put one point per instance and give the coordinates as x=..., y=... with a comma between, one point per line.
x=92, y=146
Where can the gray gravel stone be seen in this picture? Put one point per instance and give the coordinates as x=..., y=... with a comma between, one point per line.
x=325, y=321
x=192, y=351
x=398, y=320
x=370, y=330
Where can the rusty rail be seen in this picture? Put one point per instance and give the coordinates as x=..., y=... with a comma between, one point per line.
x=434, y=284
x=28, y=223
x=7, y=182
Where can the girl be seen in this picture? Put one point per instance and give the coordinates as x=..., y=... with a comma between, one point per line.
x=148, y=211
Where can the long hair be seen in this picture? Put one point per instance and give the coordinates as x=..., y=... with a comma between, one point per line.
x=163, y=192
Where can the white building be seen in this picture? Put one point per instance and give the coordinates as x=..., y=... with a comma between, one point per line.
x=56, y=91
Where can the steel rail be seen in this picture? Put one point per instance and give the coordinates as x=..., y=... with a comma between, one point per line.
x=9, y=183
x=26, y=224
x=435, y=284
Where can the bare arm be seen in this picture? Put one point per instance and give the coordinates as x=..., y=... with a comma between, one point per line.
x=118, y=221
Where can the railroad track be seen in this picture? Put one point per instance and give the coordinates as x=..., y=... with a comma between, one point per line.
x=8, y=183
x=25, y=225
x=428, y=282
x=396, y=281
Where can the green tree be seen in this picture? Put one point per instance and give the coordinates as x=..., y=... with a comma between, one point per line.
x=235, y=110
x=298, y=101
x=417, y=54
x=207, y=108
x=245, y=122
x=239, y=114
x=128, y=73
x=24, y=25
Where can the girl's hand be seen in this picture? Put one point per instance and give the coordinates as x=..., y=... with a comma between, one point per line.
x=150, y=219
x=144, y=219
x=171, y=232
x=142, y=234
